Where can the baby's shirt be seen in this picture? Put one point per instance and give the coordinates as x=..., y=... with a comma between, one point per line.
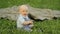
x=21, y=19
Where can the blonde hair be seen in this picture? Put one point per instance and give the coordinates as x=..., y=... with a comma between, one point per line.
x=23, y=7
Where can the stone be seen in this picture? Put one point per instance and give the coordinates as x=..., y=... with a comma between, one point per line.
x=12, y=13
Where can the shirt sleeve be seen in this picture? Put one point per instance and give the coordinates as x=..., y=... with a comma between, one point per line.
x=20, y=21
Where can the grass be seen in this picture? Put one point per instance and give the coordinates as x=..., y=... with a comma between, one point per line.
x=51, y=4
x=45, y=27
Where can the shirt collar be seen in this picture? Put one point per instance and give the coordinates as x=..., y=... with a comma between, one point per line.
x=23, y=16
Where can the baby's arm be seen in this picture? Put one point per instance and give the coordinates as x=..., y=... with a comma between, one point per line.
x=23, y=22
x=27, y=22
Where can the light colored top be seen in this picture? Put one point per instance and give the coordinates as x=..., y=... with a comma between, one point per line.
x=21, y=20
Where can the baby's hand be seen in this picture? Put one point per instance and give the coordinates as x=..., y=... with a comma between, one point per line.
x=30, y=21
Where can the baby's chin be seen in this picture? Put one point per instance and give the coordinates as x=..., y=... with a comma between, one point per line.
x=25, y=14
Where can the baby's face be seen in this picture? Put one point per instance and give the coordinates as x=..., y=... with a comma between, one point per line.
x=24, y=12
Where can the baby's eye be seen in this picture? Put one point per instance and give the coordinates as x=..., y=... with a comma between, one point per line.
x=23, y=11
x=26, y=11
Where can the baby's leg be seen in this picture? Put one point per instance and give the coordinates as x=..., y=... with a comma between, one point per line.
x=31, y=25
x=27, y=28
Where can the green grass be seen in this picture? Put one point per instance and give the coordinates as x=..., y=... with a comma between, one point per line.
x=48, y=27
x=51, y=4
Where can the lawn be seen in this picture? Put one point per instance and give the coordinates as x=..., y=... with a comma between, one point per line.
x=51, y=4
x=45, y=27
